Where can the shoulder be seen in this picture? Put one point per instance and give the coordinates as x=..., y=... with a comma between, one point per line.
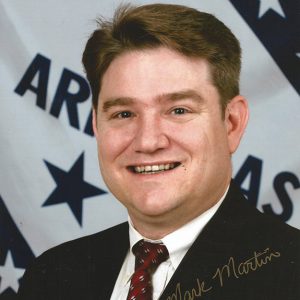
x=101, y=240
x=67, y=269
x=85, y=250
x=253, y=226
x=270, y=230
x=268, y=226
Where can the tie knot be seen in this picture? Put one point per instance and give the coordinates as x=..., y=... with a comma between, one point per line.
x=149, y=255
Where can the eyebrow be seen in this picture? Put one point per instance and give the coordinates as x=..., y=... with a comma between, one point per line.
x=121, y=101
x=175, y=96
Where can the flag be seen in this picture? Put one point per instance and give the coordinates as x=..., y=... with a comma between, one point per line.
x=50, y=187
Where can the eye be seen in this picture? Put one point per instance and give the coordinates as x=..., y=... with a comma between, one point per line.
x=123, y=115
x=179, y=111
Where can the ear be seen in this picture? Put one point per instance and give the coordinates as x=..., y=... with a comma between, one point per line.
x=236, y=118
x=95, y=128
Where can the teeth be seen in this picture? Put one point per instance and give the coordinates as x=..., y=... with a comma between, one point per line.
x=154, y=168
x=148, y=168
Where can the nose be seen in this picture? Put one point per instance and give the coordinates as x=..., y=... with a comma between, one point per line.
x=150, y=136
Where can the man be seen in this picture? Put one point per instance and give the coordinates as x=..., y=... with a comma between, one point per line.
x=167, y=116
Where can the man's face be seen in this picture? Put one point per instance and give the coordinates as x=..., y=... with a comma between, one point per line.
x=164, y=148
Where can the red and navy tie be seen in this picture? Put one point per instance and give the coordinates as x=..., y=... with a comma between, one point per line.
x=148, y=256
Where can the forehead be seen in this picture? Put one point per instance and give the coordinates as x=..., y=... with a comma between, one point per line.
x=148, y=73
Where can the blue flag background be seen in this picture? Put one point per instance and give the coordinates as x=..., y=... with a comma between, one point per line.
x=50, y=187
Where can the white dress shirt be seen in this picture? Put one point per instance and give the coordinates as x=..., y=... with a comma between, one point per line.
x=177, y=243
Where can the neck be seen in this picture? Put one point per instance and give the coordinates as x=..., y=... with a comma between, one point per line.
x=153, y=231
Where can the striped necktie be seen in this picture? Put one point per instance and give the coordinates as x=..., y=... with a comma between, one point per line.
x=148, y=256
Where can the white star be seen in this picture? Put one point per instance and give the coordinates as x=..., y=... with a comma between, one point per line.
x=265, y=5
x=298, y=54
x=9, y=274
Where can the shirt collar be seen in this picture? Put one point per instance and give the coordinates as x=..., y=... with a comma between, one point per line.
x=179, y=241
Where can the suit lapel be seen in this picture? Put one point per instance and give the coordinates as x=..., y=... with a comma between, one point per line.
x=215, y=243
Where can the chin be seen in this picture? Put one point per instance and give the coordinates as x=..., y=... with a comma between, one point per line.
x=156, y=207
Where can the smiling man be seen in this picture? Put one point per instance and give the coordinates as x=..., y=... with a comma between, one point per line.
x=163, y=143
x=167, y=116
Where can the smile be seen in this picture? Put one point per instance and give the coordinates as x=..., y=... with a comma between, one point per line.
x=153, y=169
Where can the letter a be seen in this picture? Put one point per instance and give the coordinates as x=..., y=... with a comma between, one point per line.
x=252, y=167
x=41, y=66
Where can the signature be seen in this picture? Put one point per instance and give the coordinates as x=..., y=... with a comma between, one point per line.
x=195, y=292
x=231, y=269
x=250, y=265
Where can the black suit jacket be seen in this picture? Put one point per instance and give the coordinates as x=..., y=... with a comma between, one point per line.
x=241, y=254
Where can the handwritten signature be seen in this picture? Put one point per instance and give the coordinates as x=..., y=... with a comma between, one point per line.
x=231, y=269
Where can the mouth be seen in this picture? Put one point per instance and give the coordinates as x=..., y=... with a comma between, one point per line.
x=153, y=169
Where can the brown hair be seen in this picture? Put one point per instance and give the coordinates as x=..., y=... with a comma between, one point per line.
x=180, y=28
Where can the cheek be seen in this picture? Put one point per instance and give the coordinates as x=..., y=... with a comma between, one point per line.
x=111, y=143
x=204, y=144
x=192, y=138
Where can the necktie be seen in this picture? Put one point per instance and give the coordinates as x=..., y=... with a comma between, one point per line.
x=148, y=256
